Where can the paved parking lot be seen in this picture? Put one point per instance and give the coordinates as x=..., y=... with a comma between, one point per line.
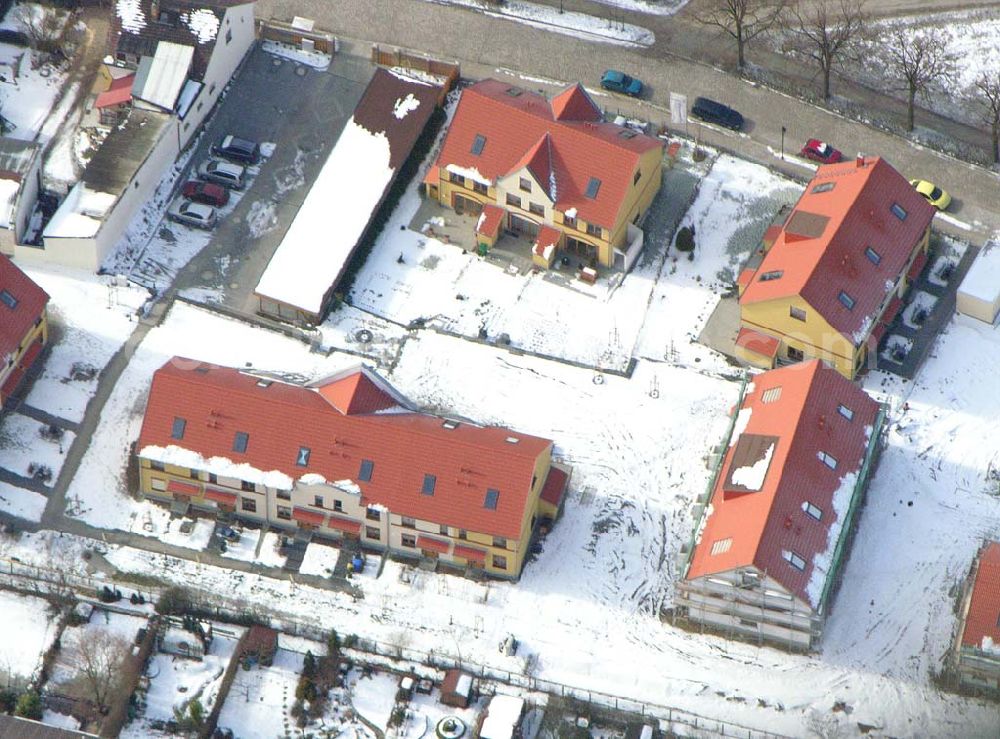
x=303, y=111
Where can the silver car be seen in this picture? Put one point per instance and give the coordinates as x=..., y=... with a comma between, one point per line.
x=222, y=172
x=190, y=213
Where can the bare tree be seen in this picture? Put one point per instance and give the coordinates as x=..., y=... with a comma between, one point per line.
x=45, y=27
x=99, y=661
x=825, y=30
x=743, y=20
x=985, y=92
x=917, y=59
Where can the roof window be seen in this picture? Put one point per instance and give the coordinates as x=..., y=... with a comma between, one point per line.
x=365, y=473
x=512, y=440
x=794, y=560
x=845, y=412
x=873, y=256
x=492, y=498
x=627, y=133
x=430, y=482
x=722, y=546
x=514, y=91
x=774, y=274
x=7, y=299
x=771, y=394
x=450, y=425
x=846, y=300
x=899, y=211
x=828, y=459
x=478, y=143
x=177, y=430
x=824, y=187
x=812, y=510
x=302, y=459
x=593, y=187
x=240, y=441
x=262, y=382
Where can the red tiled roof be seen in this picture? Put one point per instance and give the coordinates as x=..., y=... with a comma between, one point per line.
x=746, y=276
x=547, y=236
x=183, y=488
x=403, y=445
x=344, y=524
x=555, y=486
x=857, y=213
x=580, y=147
x=575, y=104
x=304, y=515
x=31, y=301
x=983, y=619
x=805, y=421
x=428, y=542
x=490, y=220
x=120, y=91
x=220, y=496
x=470, y=553
x=356, y=392
x=758, y=343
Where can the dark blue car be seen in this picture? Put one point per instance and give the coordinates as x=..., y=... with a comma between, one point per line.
x=621, y=82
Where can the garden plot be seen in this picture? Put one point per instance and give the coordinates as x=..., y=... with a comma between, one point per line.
x=246, y=548
x=735, y=204
x=353, y=330
x=373, y=695
x=32, y=449
x=90, y=316
x=260, y=699
x=896, y=348
x=29, y=628
x=174, y=682
x=98, y=493
x=22, y=503
x=104, y=640
x=423, y=712
x=916, y=313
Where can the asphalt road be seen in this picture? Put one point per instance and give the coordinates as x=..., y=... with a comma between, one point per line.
x=483, y=45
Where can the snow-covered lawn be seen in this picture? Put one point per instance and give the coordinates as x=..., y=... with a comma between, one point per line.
x=27, y=102
x=22, y=503
x=75, y=640
x=260, y=698
x=320, y=559
x=922, y=303
x=373, y=695
x=657, y=7
x=245, y=548
x=28, y=631
x=24, y=447
x=175, y=681
x=92, y=316
x=97, y=492
x=569, y=23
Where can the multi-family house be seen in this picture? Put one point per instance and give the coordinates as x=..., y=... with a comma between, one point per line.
x=774, y=528
x=552, y=171
x=23, y=326
x=975, y=655
x=177, y=56
x=829, y=280
x=346, y=457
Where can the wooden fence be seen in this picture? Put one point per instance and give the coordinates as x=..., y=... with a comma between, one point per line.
x=447, y=72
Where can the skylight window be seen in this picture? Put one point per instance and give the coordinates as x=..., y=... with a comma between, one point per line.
x=845, y=412
x=264, y=382
x=514, y=91
x=492, y=498
x=593, y=187
x=771, y=394
x=794, y=560
x=302, y=460
x=824, y=187
x=512, y=440
x=873, y=256
x=828, y=459
x=772, y=275
x=430, y=481
x=811, y=510
x=177, y=430
x=722, y=545
x=240, y=441
x=450, y=425
x=846, y=300
x=478, y=143
x=367, y=468
x=9, y=300
x=899, y=211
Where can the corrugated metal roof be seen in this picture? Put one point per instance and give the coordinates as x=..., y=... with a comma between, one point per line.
x=160, y=83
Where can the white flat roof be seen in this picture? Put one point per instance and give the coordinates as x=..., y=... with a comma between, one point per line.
x=167, y=75
x=502, y=716
x=81, y=214
x=982, y=281
x=330, y=222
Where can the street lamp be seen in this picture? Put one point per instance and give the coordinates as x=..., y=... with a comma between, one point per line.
x=782, y=143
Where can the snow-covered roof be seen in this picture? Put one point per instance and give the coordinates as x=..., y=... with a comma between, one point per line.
x=81, y=214
x=161, y=84
x=982, y=281
x=502, y=718
x=9, y=189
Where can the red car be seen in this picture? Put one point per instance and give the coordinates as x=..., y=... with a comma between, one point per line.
x=206, y=192
x=821, y=152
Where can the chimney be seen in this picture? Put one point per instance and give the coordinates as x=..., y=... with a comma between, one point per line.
x=860, y=161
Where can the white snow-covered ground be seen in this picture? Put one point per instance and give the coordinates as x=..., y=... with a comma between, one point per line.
x=28, y=102
x=22, y=503
x=373, y=696
x=28, y=631
x=568, y=23
x=655, y=7
x=91, y=316
x=245, y=548
x=23, y=447
x=320, y=560
x=260, y=698
x=118, y=626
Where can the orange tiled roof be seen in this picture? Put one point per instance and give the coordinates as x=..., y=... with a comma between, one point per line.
x=755, y=341
x=29, y=303
x=120, y=91
x=983, y=619
x=800, y=420
x=516, y=125
x=490, y=220
x=352, y=417
x=821, y=249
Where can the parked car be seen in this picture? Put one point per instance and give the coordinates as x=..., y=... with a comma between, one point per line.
x=621, y=82
x=711, y=111
x=208, y=193
x=222, y=173
x=934, y=194
x=237, y=150
x=189, y=213
x=822, y=152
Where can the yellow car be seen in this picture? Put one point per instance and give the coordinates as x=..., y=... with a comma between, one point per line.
x=934, y=194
